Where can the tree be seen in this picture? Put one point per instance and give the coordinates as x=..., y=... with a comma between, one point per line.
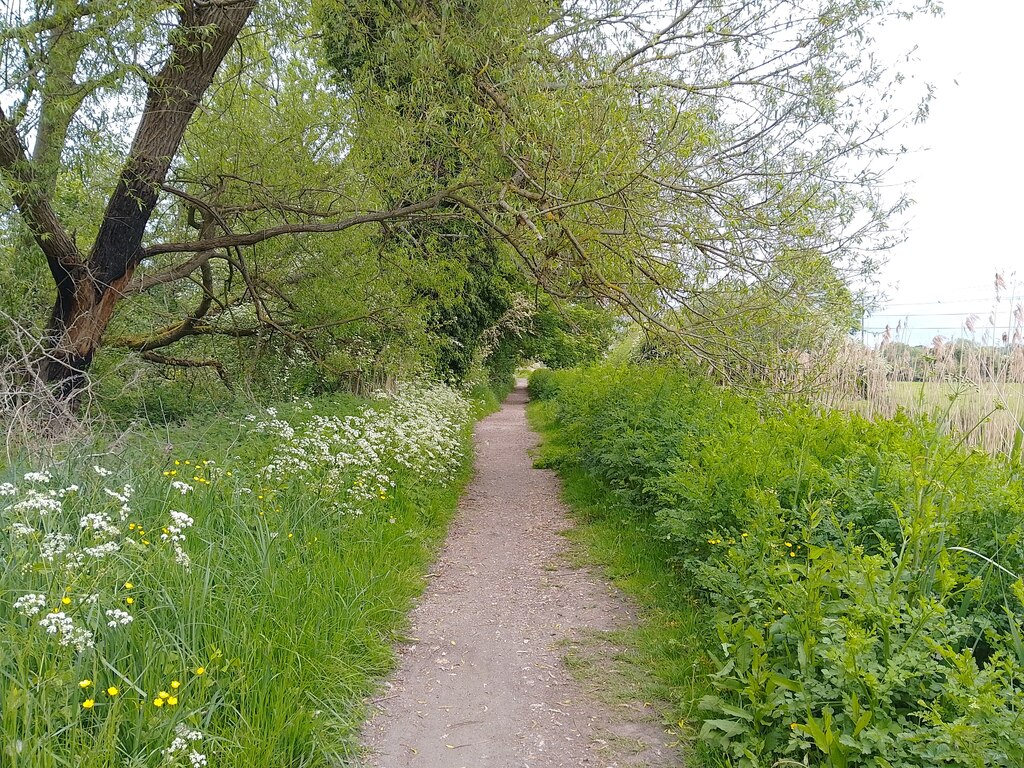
x=614, y=152
x=89, y=284
x=709, y=169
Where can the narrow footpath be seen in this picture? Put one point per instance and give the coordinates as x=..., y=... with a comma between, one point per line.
x=483, y=683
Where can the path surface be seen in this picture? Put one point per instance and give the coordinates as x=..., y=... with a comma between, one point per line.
x=484, y=684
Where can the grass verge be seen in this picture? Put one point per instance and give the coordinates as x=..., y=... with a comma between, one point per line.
x=228, y=594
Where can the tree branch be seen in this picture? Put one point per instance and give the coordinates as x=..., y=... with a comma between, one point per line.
x=254, y=238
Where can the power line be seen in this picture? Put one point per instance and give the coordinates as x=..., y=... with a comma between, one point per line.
x=943, y=302
x=926, y=314
x=959, y=328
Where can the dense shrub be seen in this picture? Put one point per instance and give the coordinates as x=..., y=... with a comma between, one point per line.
x=543, y=384
x=864, y=574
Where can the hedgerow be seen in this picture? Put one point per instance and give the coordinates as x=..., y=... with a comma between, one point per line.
x=864, y=576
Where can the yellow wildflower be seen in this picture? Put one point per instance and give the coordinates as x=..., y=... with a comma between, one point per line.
x=84, y=683
x=128, y=585
x=200, y=670
x=88, y=704
x=172, y=700
x=164, y=695
x=158, y=702
x=129, y=600
x=112, y=691
x=175, y=684
x=66, y=600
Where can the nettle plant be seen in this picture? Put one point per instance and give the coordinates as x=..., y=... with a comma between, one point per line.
x=863, y=576
x=848, y=648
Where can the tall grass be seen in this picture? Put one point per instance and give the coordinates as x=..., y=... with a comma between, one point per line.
x=975, y=393
x=226, y=595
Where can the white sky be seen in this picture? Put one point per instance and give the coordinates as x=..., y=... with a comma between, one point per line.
x=969, y=208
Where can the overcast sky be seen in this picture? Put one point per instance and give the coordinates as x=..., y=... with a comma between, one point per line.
x=965, y=225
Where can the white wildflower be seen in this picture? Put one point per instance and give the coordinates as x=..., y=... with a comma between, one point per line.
x=35, y=501
x=29, y=605
x=101, y=471
x=22, y=531
x=54, y=545
x=102, y=550
x=99, y=524
x=6, y=489
x=182, y=743
x=118, y=618
x=178, y=485
x=62, y=625
x=37, y=477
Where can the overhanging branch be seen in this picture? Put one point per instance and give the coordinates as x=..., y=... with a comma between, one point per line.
x=242, y=239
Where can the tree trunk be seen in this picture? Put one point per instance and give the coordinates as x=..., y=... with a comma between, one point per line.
x=80, y=316
x=88, y=290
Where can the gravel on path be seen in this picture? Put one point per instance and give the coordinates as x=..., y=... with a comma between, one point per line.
x=483, y=683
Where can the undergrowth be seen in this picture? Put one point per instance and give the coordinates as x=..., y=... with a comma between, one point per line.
x=861, y=578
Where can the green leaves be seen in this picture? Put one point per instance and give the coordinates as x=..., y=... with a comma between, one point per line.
x=853, y=631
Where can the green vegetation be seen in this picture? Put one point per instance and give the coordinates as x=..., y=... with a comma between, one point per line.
x=863, y=576
x=231, y=591
x=211, y=210
x=331, y=194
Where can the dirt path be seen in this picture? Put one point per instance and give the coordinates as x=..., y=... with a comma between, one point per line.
x=484, y=685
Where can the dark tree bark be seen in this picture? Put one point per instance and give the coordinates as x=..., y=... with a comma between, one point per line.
x=90, y=285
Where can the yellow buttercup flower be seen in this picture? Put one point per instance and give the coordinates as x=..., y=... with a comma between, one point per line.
x=128, y=585
x=158, y=702
x=200, y=670
x=84, y=683
x=164, y=695
x=172, y=700
x=88, y=704
x=129, y=600
x=175, y=685
x=66, y=600
x=112, y=691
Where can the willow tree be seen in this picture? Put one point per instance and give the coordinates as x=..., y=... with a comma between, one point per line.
x=707, y=167
x=613, y=150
